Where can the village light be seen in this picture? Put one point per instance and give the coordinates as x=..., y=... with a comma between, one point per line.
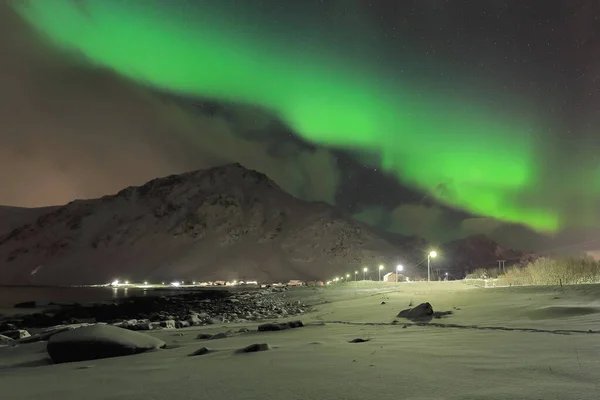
x=115, y=282
x=380, y=269
x=365, y=269
x=145, y=282
x=355, y=275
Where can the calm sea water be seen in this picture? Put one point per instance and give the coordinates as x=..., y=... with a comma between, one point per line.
x=11, y=295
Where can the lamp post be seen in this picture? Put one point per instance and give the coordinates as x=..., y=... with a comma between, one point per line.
x=399, y=269
x=365, y=269
x=347, y=277
x=431, y=255
x=380, y=269
x=355, y=275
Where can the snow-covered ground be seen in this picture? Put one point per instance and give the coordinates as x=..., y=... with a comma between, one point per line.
x=502, y=343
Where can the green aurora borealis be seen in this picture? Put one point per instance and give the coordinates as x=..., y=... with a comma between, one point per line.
x=466, y=155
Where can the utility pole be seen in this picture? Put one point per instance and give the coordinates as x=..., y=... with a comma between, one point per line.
x=428, y=269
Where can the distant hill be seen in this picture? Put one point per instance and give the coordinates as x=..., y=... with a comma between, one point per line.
x=223, y=223
x=477, y=251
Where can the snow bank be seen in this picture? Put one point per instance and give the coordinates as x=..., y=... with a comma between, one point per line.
x=99, y=341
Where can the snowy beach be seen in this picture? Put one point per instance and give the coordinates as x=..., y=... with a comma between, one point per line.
x=503, y=343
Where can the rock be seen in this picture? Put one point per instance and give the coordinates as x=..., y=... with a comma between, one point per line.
x=201, y=351
x=135, y=324
x=126, y=324
x=143, y=325
x=423, y=311
x=26, y=304
x=7, y=326
x=167, y=324
x=198, y=308
x=279, y=327
x=253, y=348
x=203, y=336
x=220, y=335
x=194, y=320
x=154, y=317
x=295, y=324
x=46, y=334
x=5, y=340
x=359, y=340
x=99, y=341
x=155, y=325
x=16, y=334
x=181, y=324
x=442, y=314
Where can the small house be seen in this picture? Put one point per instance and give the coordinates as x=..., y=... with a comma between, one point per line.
x=394, y=277
x=386, y=277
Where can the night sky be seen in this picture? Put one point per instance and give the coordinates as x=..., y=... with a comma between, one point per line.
x=428, y=117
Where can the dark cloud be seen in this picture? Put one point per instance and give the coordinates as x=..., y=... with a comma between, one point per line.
x=72, y=131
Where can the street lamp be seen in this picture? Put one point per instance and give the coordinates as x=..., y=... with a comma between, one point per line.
x=431, y=255
x=380, y=269
x=355, y=275
x=399, y=268
x=347, y=277
x=365, y=269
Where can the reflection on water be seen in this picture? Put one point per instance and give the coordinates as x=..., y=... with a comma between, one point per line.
x=11, y=295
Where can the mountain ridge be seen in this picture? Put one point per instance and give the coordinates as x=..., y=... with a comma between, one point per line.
x=226, y=222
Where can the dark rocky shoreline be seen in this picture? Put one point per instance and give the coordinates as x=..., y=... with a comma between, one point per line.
x=155, y=311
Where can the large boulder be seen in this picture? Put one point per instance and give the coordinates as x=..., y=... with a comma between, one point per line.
x=423, y=311
x=5, y=340
x=99, y=341
x=16, y=334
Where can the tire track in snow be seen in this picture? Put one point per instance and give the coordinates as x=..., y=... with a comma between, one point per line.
x=470, y=327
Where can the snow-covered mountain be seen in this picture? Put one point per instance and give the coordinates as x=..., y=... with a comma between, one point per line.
x=13, y=217
x=223, y=223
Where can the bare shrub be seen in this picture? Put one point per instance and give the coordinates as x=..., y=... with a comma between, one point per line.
x=548, y=271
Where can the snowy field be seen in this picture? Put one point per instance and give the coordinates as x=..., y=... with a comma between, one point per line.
x=501, y=343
